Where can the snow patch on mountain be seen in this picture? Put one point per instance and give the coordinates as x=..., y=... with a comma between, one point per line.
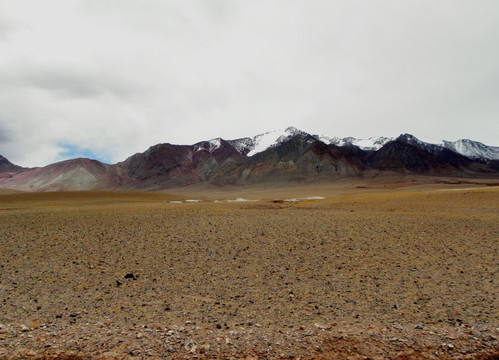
x=243, y=145
x=209, y=146
x=372, y=143
x=215, y=144
x=261, y=142
x=272, y=138
x=471, y=149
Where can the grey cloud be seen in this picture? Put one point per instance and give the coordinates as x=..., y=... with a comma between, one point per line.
x=70, y=82
x=3, y=30
x=6, y=28
x=5, y=134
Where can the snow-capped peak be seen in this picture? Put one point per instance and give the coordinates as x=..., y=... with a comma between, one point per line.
x=209, y=146
x=472, y=149
x=261, y=142
x=469, y=148
x=215, y=144
x=372, y=143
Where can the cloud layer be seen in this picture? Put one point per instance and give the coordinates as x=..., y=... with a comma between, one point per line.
x=115, y=77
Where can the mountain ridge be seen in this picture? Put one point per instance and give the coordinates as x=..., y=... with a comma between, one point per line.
x=288, y=155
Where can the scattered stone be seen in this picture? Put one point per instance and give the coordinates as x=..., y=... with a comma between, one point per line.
x=24, y=328
x=130, y=276
x=31, y=353
x=73, y=314
x=419, y=327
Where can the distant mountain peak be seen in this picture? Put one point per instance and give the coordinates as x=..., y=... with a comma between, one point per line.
x=250, y=146
x=7, y=166
x=372, y=144
x=471, y=149
x=407, y=137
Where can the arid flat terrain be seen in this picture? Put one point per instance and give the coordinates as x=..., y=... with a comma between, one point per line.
x=403, y=273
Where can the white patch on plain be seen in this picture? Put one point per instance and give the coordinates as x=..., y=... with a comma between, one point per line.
x=305, y=198
x=470, y=188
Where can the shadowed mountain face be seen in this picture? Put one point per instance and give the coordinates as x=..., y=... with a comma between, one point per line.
x=300, y=158
x=178, y=165
x=295, y=157
x=7, y=166
x=399, y=155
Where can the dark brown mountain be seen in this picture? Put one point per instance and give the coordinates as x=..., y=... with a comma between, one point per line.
x=167, y=165
x=300, y=158
x=7, y=166
x=403, y=155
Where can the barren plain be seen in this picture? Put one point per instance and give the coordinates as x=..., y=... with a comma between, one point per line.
x=405, y=272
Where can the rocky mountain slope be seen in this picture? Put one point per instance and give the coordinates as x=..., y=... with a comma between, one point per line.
x=76, y=174
x=469, y=148
x=289, y=155
x=7, y=166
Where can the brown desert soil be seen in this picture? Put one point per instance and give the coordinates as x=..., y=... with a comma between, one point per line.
x=398, y=274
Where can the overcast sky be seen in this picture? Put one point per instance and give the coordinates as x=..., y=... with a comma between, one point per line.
x=106, y=79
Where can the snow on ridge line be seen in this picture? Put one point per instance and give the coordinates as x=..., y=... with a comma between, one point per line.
x=215, y=144
x=253, y=145
x=469, y=148
x=263, y=141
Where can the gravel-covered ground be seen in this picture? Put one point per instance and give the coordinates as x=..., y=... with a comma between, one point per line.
x=372, y=275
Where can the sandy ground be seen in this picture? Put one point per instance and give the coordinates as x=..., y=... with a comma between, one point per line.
x=401, y=274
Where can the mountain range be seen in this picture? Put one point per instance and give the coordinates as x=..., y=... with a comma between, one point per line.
x=288, y=155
